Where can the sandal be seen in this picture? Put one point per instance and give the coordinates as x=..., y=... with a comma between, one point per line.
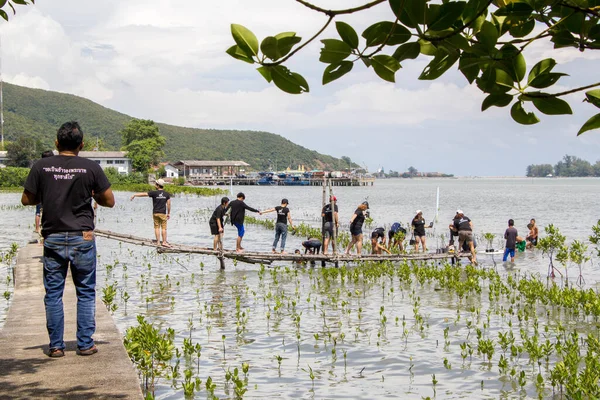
x=88, y=352
x=56, y=353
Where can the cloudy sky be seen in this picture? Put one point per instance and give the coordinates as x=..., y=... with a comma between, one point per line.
x=165, y=60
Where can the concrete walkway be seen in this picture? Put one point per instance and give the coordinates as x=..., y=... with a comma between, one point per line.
x=26, y=372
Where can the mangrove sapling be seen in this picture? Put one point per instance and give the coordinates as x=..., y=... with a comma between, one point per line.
x=595, y=237
x=489, y=238
x=577, y=254
x=562, y=256
x=150, y=351
x=550, y=244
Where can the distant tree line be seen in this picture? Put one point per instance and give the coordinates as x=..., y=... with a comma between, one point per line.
x=569, y=166
x=413, y=173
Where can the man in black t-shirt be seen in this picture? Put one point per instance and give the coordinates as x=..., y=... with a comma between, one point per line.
x=216, y=224
x=281, y=228
x=330, y=220
x=238, y=214
x=65, y=185
x=161, y=210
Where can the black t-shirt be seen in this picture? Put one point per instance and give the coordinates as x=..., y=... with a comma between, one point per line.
x=328, y=217
x=218, y=214
x=511, y=237
x=238, y=211
x=419, y=226
x=282, y=213
x=358, y=221
x=159, y=201
x=64, y=186
x=378, y=232
x=462, y=223
x=312, y=243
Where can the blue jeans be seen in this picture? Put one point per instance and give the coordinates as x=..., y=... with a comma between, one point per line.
x=60, y=249
x=280, y=231
x=508, y=252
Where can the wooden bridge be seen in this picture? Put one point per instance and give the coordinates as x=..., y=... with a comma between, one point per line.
x=269, y=257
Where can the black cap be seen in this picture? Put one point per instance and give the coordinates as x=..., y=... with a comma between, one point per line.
x=366, y=203
x=242, y=195
x=285, y=201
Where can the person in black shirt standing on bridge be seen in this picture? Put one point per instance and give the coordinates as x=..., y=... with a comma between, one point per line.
x=161, y=210
x=281, y=228
x=356, y=223
x=65, y=185
x=238, y=214
x=330, y=223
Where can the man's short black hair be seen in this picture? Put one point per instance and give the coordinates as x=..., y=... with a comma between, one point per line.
x=224, y=200
x=47, y=153
x=69, y=136
x=511, y=222
x=241, y=195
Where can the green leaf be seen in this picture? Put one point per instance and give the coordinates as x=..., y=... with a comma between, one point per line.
x=543, y=67
x=245, y=39
x=546, y=80
x=427, y=47
x=407, y=51
x=497, y=100
x=514, y=62
x=504, y=79
x=522, y=29
x=288, y=81
x=593, y=96
x=377, y=34
x=515, y=9
x=266, y=73
x=334, y=51
x=385, y=67
x=592, y=123
x=521, y=116
x=410, y=13
x=473, y=8
x=552, y=105
x=236, y=52
x=286, y=41
x=469, y=66
x=269, y=48
x=442, y=61
x=347, y=33
x=563, y=38
x=449, y=15
x=336, y=71
x=488, y=35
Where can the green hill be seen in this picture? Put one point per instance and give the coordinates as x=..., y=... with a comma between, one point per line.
x=39, y=113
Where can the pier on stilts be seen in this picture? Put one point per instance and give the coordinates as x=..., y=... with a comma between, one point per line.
x=269, y=257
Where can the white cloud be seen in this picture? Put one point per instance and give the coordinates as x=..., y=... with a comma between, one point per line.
x=165, y=60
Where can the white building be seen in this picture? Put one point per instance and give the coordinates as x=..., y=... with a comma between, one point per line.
x=171, y=171
x=115, y=159
x=204, y=169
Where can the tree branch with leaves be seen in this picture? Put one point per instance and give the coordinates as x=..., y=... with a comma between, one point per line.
x=479, y=37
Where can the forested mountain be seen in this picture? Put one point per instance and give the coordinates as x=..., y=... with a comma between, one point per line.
x=39, y=113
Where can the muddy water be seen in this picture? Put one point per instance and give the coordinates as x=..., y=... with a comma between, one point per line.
x=381, y=359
